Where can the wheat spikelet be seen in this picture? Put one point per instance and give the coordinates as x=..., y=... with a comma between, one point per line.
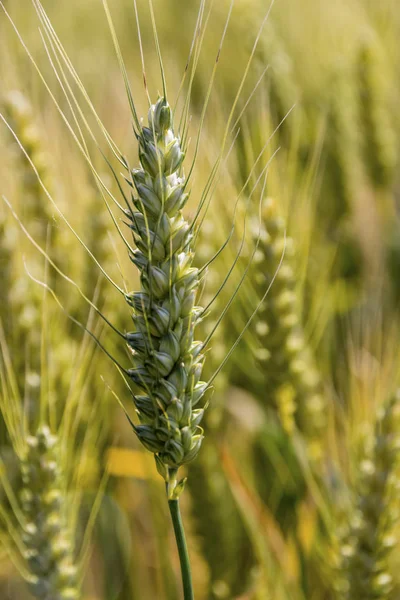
x=48, y=541
x=168, y=362
x=371, y=537
x=292, y=382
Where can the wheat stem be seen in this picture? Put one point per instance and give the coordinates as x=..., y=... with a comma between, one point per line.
x=182, y=549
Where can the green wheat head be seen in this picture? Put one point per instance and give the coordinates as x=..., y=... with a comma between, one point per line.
x=168, y=360
x=372, y=534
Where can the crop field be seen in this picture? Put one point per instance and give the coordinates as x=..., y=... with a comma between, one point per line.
x=199, y=300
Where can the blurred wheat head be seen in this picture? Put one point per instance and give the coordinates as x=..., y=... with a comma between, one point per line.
x=372, y=532
x=48, y=467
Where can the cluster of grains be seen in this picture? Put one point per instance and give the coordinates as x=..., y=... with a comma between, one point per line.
x=379, y=138
x=292, y=382
x=49, y=550
x=167, y=360
x=366, y=553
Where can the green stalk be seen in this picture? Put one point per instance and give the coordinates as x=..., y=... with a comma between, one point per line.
x=182, y=549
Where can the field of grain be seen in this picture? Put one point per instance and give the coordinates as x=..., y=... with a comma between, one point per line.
x=199, y=300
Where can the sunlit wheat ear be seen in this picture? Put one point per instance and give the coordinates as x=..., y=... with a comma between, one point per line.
x=168, y=361
x=49, y=543
x=372, y=537
x=291, y=380
x=380, y=148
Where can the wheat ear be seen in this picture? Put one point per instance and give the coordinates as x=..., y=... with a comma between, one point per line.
x=40, y=507
x=167, y=360
x=292, y=382
x=371, y=537
x=49, y=544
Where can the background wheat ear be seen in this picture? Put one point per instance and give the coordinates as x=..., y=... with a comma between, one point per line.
x=48, y=465
x=49, y=545
x=284, y=376
x=371, y=537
